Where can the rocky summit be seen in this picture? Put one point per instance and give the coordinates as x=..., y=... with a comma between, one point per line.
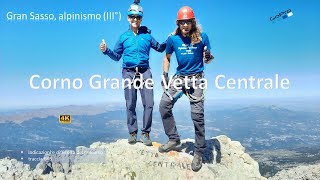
x=223, y=159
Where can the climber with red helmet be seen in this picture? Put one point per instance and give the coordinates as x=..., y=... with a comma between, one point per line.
x=192, y=50
x=134, y=46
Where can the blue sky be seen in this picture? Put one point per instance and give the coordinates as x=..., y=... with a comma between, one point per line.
x=243, y=39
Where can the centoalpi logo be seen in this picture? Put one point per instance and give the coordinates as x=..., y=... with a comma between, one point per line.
x=281, y=15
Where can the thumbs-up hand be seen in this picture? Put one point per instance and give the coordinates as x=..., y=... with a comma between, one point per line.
x=103, y=46
x=207, y=55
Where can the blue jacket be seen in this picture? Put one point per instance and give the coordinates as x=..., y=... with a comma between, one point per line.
x=135, y=48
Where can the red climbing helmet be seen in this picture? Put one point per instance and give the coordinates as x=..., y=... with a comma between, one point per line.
x=185, y=13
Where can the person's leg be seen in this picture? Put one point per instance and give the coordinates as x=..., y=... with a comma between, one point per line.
x=165, y=109
x=147, y=102
x=169, y=124
x=197, y=115
x=131, y=101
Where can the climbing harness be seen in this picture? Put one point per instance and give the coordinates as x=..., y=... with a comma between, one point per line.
x=185, y=91
x=137, y=76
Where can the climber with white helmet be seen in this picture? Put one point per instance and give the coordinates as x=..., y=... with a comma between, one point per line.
x=192, y=50
x=134, y=47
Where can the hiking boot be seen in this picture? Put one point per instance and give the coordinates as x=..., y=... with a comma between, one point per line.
x=196, y=162
x=145, y=139
x=170, y=145
x=132, y=138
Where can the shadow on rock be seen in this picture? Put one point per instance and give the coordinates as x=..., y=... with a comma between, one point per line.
x=212, y=153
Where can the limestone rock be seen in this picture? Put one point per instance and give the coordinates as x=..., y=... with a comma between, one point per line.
x=223, y=159
x=11, y=169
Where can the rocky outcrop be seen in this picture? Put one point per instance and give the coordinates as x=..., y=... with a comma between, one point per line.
x=223, y=159
x=307, y=172
x=13, y=169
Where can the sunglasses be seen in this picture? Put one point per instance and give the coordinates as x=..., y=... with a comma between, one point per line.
x=188, y=22
x=135, y=17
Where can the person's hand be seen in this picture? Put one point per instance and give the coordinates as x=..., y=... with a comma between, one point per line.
x=208, y=57
x=103, y=46
x=165, y=80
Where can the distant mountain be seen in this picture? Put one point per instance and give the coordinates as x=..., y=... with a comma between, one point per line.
x=49, y=133
x=267, y=127
x=258, y=127
x=307, y=172
x=21, y=115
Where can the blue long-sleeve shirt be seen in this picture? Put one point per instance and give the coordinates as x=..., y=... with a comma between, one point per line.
x=135, y=48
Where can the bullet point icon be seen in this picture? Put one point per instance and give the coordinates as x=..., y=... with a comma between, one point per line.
x=21, y=152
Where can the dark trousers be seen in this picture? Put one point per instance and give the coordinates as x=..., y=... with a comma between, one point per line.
x=131, y=101
x=197, y=116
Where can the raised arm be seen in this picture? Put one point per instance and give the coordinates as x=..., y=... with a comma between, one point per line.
x=207, y=56
x=116, y=53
